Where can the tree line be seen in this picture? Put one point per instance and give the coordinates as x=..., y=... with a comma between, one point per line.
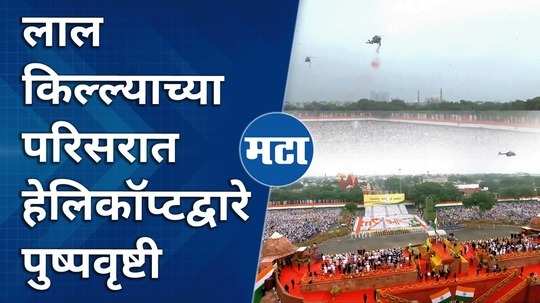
x=400, y=105
x=423, y=194
x=316, y=192
x=503, y=186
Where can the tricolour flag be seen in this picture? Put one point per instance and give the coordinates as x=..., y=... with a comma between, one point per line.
x=357, y=225
x=262, y=276
x=442, y=296
x=464, y=293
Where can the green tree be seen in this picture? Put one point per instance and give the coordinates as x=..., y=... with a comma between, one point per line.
x=324, y=191
x=484, y=200
x=429, y=209
x=393, y=184
x=400, y=105
x=437, y=192
x=350, y=208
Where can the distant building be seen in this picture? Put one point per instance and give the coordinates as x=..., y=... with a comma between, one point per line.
x=436, y=179
x=379, y=96
x=432, y=100
x=469, y=189
x=347, y=182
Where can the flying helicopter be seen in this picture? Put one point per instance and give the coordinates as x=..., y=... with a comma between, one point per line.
x=508, y=153
x=308, y=60
x=375, y=40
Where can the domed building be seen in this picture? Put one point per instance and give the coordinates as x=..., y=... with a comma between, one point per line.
x=533, y=227
x=535, y=222
x=276, y=247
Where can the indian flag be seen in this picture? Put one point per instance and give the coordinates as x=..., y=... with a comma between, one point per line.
x=262, y=276
x=442, y=296
x=464, y=293
x=357, y=225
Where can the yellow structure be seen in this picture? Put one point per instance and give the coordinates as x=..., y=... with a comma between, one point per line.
x=383, y=199
x=436, y=262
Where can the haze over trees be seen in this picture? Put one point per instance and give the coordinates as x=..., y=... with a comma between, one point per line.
x=423, y=194
x=400, y=105
x=316, y=192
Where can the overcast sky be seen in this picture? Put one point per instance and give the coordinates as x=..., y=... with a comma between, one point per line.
x=472, y=49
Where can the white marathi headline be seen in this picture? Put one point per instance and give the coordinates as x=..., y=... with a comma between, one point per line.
x=104, y=261
x=43, y=82
x=69, y=199
x=44, y=27
x=65, y=138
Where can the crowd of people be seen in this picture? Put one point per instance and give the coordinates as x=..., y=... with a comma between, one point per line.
x=502, y=246
x=301, y=224
x=363, y=261
x=504, y=212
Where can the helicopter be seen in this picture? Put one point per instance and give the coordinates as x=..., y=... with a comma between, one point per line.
x=308, y=60
x=508, y=153
x=375, y=40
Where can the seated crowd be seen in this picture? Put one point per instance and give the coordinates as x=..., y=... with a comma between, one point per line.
x=301, y=224
x=502, y=246
x=508, y=212
x=363, y=261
